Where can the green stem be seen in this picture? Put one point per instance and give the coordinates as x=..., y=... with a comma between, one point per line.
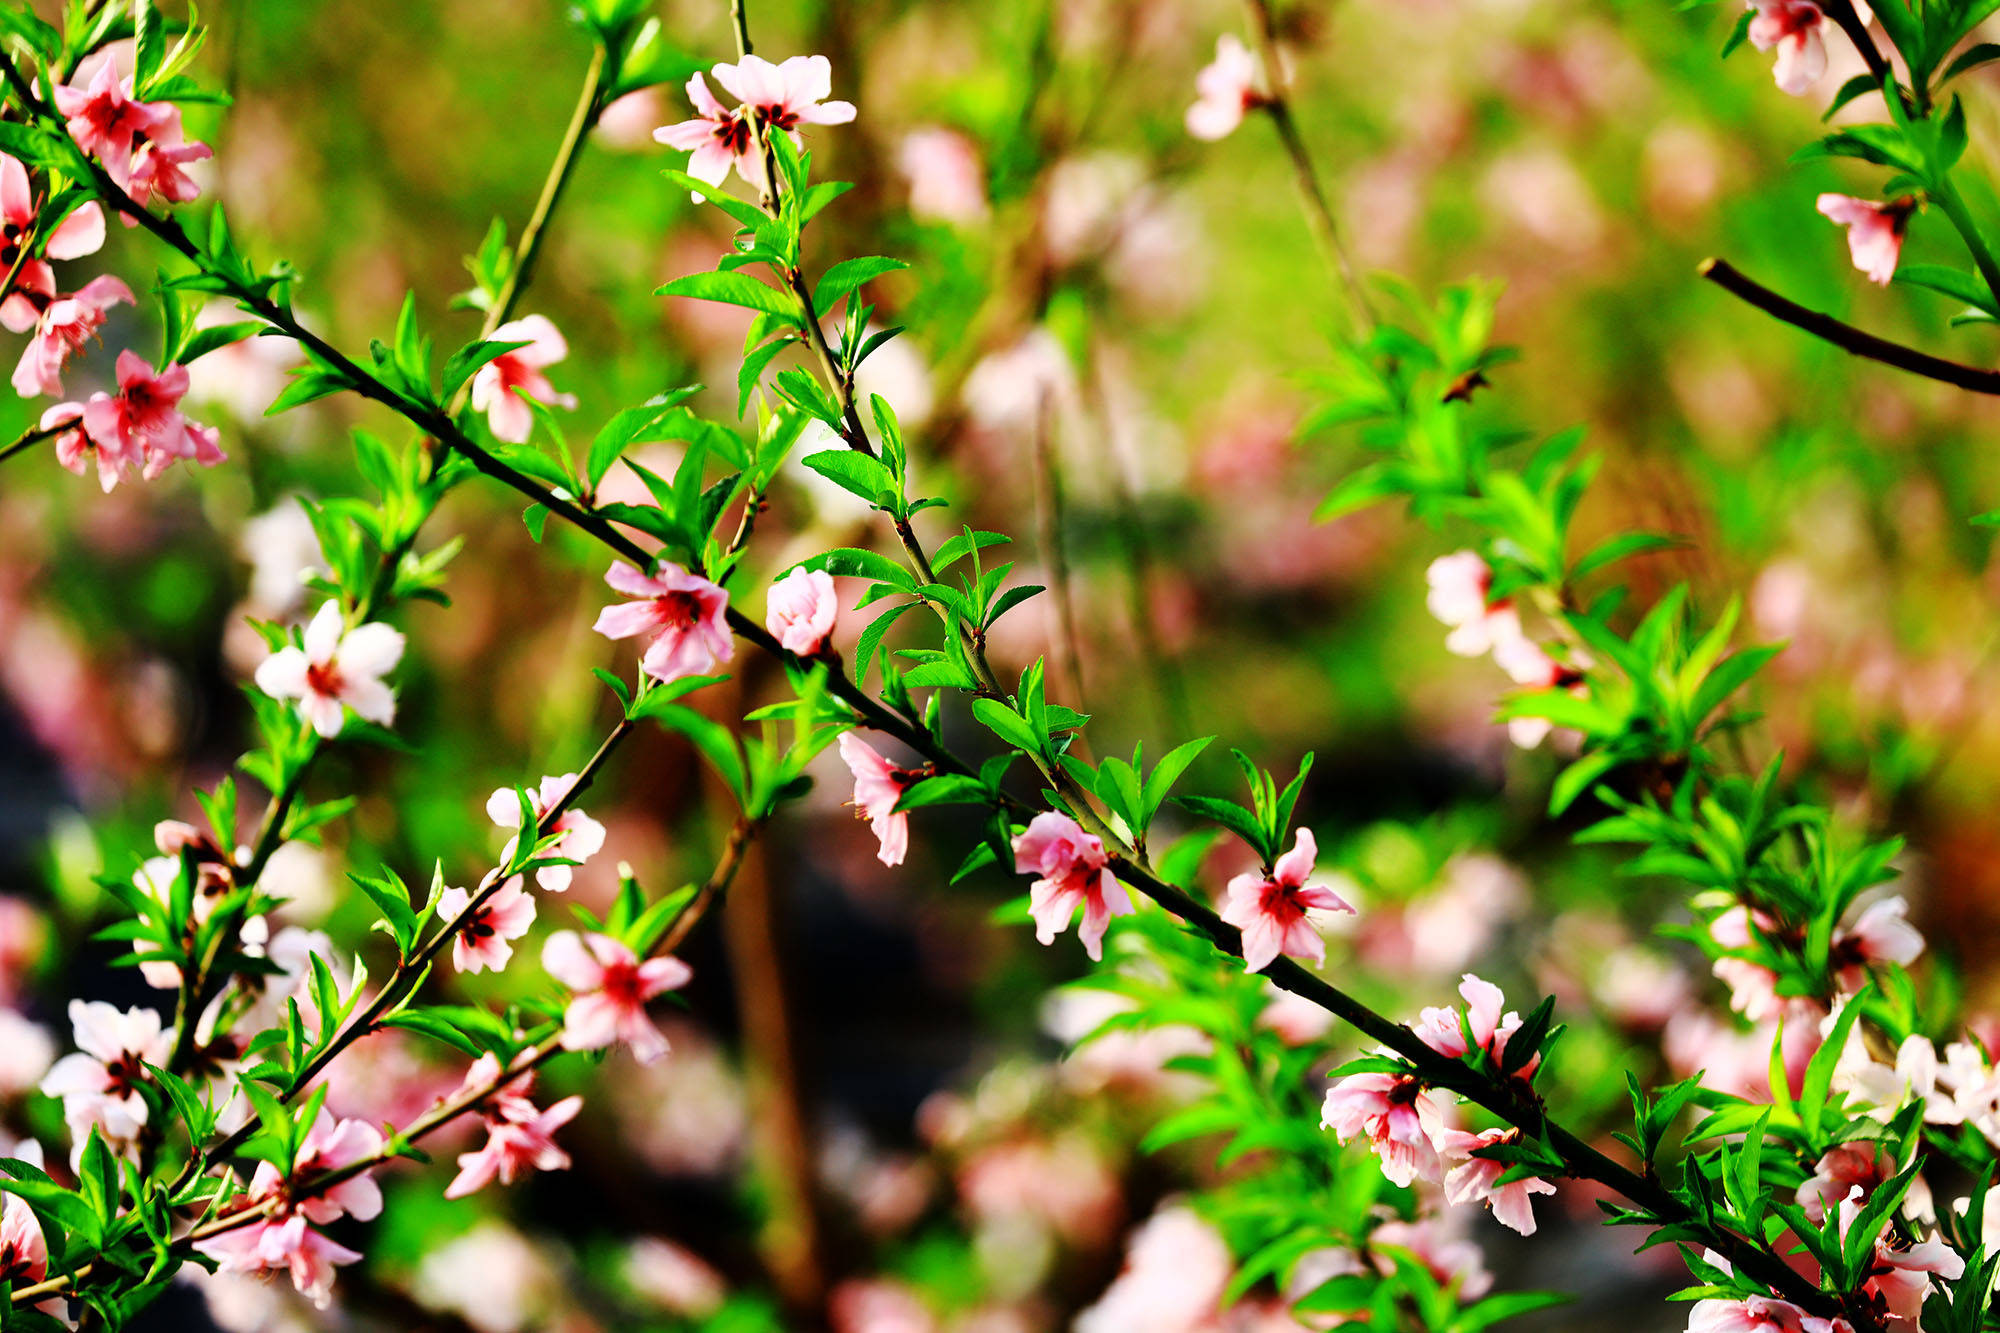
x=1948, y=198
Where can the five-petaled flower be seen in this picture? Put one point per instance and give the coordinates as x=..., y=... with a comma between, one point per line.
x=1882, y=933
x=878, y=785
x=520, y=1136
x=786, y=95
x=1271, y=909
x=106, y=121
x=1792, y=28
x=143, y=420
x=63, y=326
x=99, y=1084
x=1072, y=871
x=281, y=1242
x=681, y=616
x=800, y=611
x=609, y=987
x=582, y=837
x=78, y=234
x=335, y=667
x=718, y=137
x=1225, y=89
x=1874, y=231
x=24, y=1251
x=1397, y=1117
x=498, y=385
x=1477, y=1178
x=1442, y=1031
x=482, y=941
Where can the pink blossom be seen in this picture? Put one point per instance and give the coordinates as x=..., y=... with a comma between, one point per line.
x=680, y=615
x=1073, y=871
x=99, y=1083
x=878, y=785
x=105, y=121
x=1396, y=1116
x=718, y=138
x=63, y=326
x=1442, y=1031
x=1459, y=584
x=24, y=1251
x=1271, y=910
x=79, y=234
x=1874, y=231
x=75, y=449
x=1881, y=934
x=287, y=1244
x=519, y=1138
x=1862, y=1164
x=1225, y=89
x=610, y=987
x=1793, y=28
x=1899, y=1280
x=582, y=837
x=329, y=1146
x=143, y=422
x=494, y=386
x=785, y=96
x=157, y=164
x=1450, y=1259
x=947, y=183
x=1478, y=1178
x=481, y=943
x=1750, y=1314
x=336, y=667
x=800, y=611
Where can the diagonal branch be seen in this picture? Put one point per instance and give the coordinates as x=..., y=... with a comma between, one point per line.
x=1846, y=337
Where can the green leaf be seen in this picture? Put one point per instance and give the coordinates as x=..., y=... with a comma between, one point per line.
x=856, y=473
x=849, y=274
x=854, y=562
x=734, y=289
x=1008, y=725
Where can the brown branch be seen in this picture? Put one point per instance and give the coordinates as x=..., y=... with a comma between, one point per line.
x=1846, y=337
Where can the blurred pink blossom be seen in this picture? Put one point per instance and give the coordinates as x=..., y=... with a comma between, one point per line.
x=947, y=183
x=581, y=836
x=498, y=385
x=1874, y=231
x=1792, y=28
x=1225, y=89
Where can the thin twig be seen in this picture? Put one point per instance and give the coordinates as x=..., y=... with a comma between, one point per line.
x=1845, y=336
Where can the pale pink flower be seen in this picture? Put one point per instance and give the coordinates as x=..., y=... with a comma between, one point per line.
x=582, y=837
x=787, y=95
x=1457, y=596
x=482, y=942
x=24, y=1251
x=878, y=785
x=63, y=326
x=99, y=1082
x=1792, y=27
x=1874, y=231
x=718, y=137
x=1881, y=934
x=1271, y=911
x=1225, y=89
x=1395, y=1115
x=286, y=1244
x=517, y=1141
x=1860, y=1164
x=681, y=616
x=800, y=611
x=1450, y=1259
x=105, y=121
x=1072, y=871
x=1440, y=1029
x=1477, y=1178
x=1750, y=1314
x=1900, y=1279
x=328, y=1146
x=494, y=386
x=947, y=183
x=878, y=1305
x=335, y=667
x=610, y=986
x=673, y=1277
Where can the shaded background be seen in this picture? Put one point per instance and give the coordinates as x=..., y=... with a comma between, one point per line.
x=1165, y=295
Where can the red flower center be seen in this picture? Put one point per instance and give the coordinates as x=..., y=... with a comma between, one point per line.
x=324, y=678
x=678, y=610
